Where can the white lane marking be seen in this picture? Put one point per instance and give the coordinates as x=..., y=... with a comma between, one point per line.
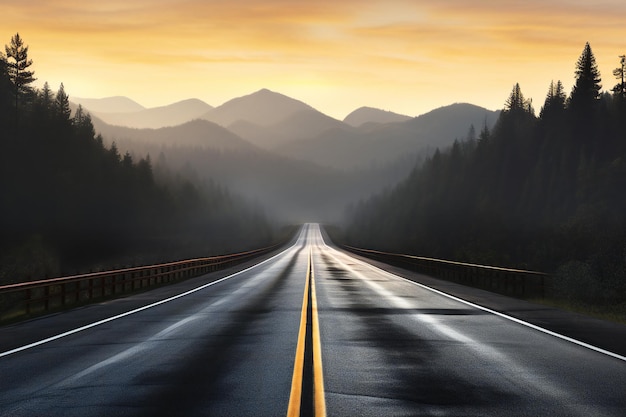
x=137, y=310
x=488, y=310
x=151, y=342
x=529, y=378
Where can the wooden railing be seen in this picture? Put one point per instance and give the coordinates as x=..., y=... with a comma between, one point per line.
x=514, y=282
x=37, y=297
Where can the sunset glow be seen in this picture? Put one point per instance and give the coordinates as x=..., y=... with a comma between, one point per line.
x=404, y=56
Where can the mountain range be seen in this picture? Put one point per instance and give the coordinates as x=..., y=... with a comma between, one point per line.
x=292, y=128
x=295, y=161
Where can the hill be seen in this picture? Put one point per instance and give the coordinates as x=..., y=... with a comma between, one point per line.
x=263, y=108
x=344, y=147
x=196, y=133
x=300, y=125
x=156, y=117
x=365, y=115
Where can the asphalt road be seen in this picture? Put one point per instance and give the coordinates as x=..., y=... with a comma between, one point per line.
x=310, y=328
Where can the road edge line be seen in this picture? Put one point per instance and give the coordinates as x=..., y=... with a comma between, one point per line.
x=137, y=310
x=494, y=312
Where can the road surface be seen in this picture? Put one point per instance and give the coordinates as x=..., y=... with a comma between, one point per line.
x=308, y=331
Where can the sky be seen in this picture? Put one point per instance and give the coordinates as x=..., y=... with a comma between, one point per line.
x=404, y=56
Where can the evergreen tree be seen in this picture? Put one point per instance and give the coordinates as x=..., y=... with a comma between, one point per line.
x=516, y=101
x=586, y=90
x=555, y=101
x=46, y=96
x=62, y=104
x=18, y=64
x=5, y=91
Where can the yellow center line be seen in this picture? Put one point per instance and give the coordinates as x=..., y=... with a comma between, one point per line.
x=295, y=396
x=298, y=367
x=318, y=374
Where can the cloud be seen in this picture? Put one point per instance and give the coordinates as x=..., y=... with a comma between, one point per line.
x=444, y=48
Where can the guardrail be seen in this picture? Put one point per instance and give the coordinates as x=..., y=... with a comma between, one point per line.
x=514, y=282
x=37, y=297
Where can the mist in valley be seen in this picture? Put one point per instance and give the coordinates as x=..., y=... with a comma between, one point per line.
x=295, y=162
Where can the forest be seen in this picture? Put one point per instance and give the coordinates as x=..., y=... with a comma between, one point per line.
x=544, y=192
x=69, y=203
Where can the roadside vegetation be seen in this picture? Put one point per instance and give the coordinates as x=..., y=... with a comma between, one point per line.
x=69, y=203
x=545, y=193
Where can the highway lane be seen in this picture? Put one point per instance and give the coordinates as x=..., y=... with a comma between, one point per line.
x=230, y=347
x=227, y=349
x=391, y=347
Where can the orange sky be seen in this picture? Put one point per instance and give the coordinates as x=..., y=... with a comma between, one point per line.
x=405, y=56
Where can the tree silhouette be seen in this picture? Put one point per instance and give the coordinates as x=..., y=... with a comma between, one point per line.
x=18, y=64
x=5, y=90
x=620, y=88
x=555, y=101
x=586, y=90
x=62, y=104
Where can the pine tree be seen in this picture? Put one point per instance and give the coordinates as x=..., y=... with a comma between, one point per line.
x=555, y=101
x=516, y=101
x=586, y=90
x=62, y=104
x=5, y=90
x=17, y=64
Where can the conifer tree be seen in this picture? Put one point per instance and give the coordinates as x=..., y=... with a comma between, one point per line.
x=62, y=104
x=586, y=90
x=46, y=96
x=17, y=64
x=555, y=100
x=5, y=89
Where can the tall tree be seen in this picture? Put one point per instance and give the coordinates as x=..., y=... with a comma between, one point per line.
x=516, y=101
x=586, y=90
x=5, y=90
x=18, y=64
x=62, y=104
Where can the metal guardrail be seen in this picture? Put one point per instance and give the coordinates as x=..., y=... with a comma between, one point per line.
x=37, y=297
x=514, y=282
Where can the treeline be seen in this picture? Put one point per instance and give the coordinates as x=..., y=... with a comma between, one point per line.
x=546, y=193
x=69, y=202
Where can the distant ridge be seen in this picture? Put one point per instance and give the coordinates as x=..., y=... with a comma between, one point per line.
x=116, y=104
x=171, y=115
x=381, y=144
x=364, y=115
x=196, y=133
x=263, y=108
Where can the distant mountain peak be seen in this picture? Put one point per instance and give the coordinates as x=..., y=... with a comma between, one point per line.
x=263, y=107
x=364, y=115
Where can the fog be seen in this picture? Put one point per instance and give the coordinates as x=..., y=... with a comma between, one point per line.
x=295, y=162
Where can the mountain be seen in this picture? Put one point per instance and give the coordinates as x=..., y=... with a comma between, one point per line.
x=365, y=115
x=262, y=108
x=300, y=125
x=194, y=134
x=117, y=104
x=156, y=117
x=382, y=144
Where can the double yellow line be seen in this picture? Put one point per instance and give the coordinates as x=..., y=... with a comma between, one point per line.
x=295, y=398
